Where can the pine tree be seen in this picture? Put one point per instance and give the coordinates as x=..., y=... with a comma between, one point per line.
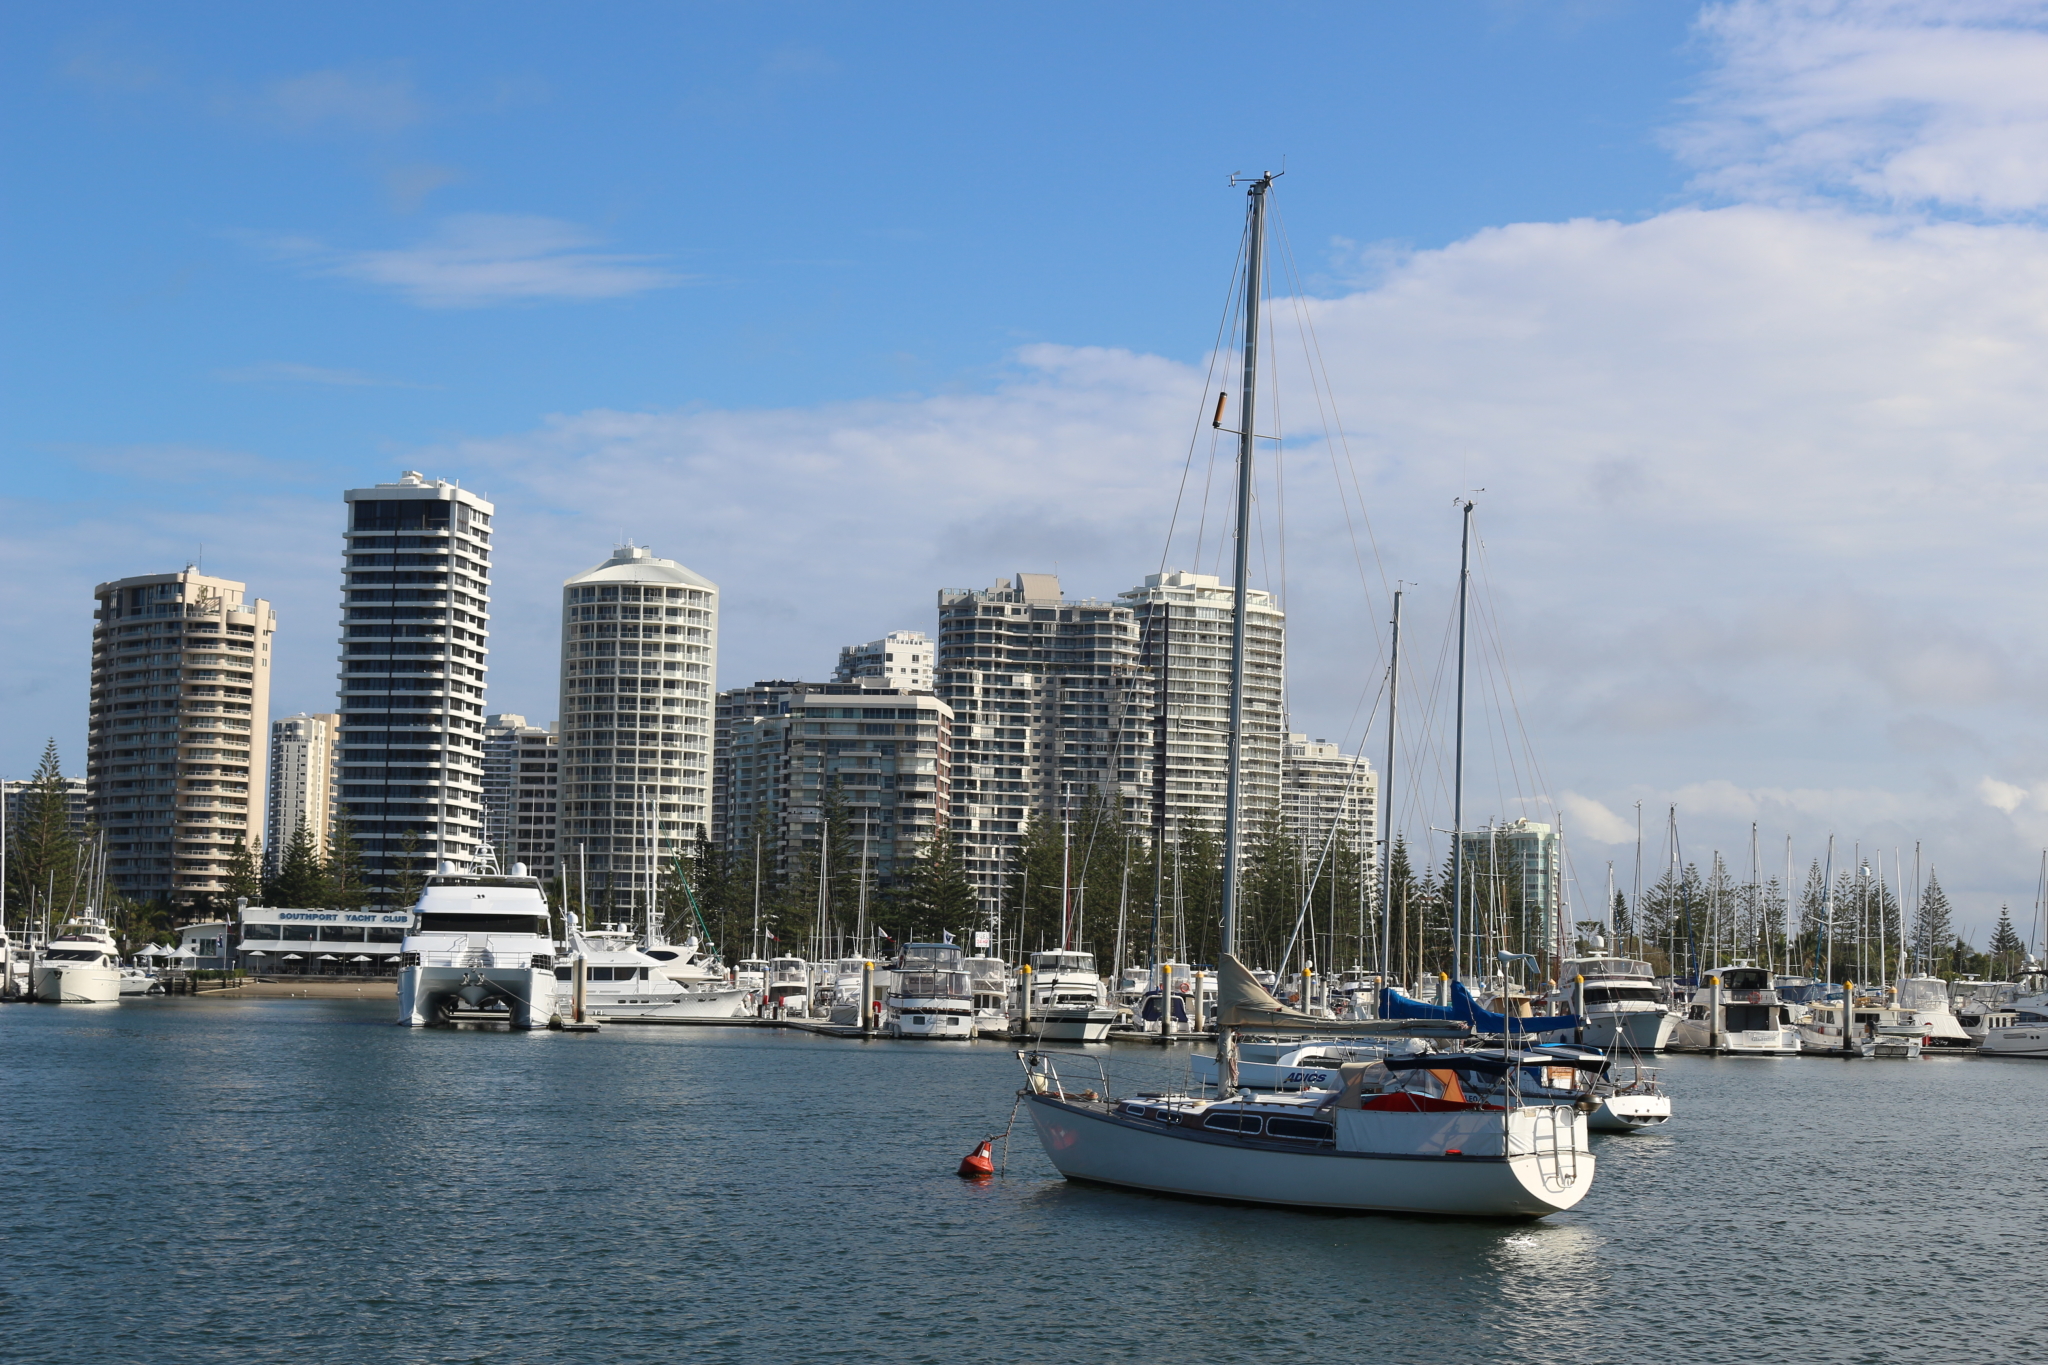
x=1933, y=925
x=243, y=880
x=342, y=873
x=44, y=855
x=301, y=881
x=940, y=897
x=412, y=873
x=2006, y=947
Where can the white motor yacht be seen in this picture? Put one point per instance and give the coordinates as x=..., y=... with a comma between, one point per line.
x=1736, y=1010
x=789, y=986
x=481, y=942
x=930, y=994
x=1926, y=998
x=1624, y=1009
x=1068, y=1001
x=624, y=984
x=80, y=965
x=2025, y=1036
x=839, y=995
x=1189, y=1009
x=751, y=974
x=990, y=979
x=1875, y=1030
x=1980, y=1006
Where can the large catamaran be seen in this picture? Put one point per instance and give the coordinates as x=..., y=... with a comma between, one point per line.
x=1435, y=1133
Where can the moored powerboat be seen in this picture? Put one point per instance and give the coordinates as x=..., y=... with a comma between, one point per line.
x=1622, y=1006
x=989, y=978
x=2025, y=1036
x=624, y=984
x=1736, y=1010
x=1926, y=998
x=479, y=942
x=1068, y=1002
x=80, y=965
x=789, y=986
x=930, y=994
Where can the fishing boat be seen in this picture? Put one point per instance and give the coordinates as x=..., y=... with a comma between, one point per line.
x=80, y=965
x=479, y=941
x=930, y=994
x=1068, y=1001
x=1736, y=1011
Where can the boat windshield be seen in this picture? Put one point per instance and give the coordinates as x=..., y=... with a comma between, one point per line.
x=1608, y=966
x=470, y=922
x=1923, y=993
x=1063, y=962
x=1746, y=979
x=460, y=879
x=70, y=955
x=942, y=955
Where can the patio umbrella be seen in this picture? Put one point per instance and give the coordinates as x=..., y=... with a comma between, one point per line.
x=326, y=957
x=360, y=957
x=293, y=957
x=255, y=952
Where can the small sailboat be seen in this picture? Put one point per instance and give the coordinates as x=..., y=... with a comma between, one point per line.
x=1424, y=1146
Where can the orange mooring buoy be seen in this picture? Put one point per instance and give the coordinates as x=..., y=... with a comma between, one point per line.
x=980, y=1162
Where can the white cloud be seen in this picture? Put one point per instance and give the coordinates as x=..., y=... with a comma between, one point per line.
x=1589, y=818
x=2002, y=795
x=1905, y=101
x=354, y=101
x=475, y=260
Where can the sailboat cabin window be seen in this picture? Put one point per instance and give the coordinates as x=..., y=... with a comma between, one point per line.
x=1233, y=1123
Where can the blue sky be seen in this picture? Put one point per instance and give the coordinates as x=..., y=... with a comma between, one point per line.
x=1730, y=309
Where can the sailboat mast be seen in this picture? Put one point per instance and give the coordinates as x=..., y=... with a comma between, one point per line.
x=1248, y=416
x=1386, y=796
x=1458, y=763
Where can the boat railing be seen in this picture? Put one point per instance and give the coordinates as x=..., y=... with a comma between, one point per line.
x=1042, y=1074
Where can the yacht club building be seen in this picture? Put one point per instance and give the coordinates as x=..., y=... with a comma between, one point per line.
x=286, y=942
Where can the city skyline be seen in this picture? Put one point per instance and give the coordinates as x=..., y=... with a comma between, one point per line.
x=1753, y=407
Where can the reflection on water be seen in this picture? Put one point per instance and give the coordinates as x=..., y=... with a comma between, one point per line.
x=259, y=1180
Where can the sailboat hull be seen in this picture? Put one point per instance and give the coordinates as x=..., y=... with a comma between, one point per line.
x=1455, y=1164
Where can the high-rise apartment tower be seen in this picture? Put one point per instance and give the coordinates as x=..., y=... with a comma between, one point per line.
x=639, y=681
x=180, y=705
x=302, y=773
x=1183, y=626
x=1051, y=706
x=520, y=785
x=415, y=628
x=902, y=658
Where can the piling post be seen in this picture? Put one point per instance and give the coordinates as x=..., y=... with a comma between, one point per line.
x=1024, y=990
x=1714, y=1020
x=1848, y=1019
x=1201, y=1014
x=579, y=975
x=867, y=999
x=1166, y=1002
x=1579, y=1008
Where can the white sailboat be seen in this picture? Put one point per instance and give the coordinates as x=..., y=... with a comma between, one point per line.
x=1426, y=1149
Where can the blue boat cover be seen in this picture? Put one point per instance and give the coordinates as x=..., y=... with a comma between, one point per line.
x=1395, y=1005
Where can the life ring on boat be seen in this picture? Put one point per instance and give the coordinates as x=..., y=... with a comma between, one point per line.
x=1754, y=997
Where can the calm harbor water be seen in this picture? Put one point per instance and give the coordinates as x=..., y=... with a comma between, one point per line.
x=300, y=1180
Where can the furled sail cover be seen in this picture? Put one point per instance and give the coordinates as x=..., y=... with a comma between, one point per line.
x=1465, y=1009
x=1241, y=1002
